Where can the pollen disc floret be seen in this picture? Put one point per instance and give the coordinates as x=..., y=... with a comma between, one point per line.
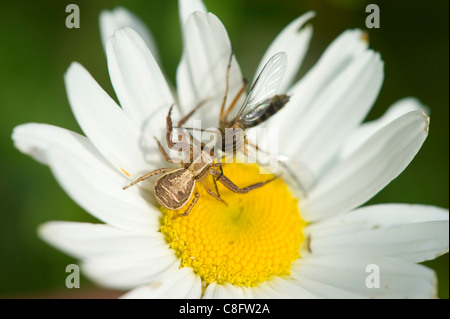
x=246, y=241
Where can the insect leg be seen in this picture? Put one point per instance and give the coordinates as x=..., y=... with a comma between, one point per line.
x=236, y=98
x=227, y=84
x=148, y=175
x=188, y=210
x=231, y=186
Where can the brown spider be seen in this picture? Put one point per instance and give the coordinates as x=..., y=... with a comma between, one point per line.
x=175, y=187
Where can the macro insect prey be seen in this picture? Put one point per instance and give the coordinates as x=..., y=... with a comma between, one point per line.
x=261, y=103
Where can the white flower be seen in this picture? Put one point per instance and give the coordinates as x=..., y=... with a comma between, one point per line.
x=320, y=128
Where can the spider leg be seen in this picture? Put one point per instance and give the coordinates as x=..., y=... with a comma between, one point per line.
x=163, y=152
x=148, y=175
x=210, y=192
x=188, y=116
x=233, y=187
x=188, y=210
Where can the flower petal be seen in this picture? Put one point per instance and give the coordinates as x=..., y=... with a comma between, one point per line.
x=329, y=103
x=412, y=232
x=120, y=18
x=87, y=178
x=397, y=278
x=281, y=288
x=337, y=57
x=368, y=129
x=223, y=291
x=112, y=257
x=338, y=111
x=36, y=140
x=182, y=283
x=87, y=240
x=138, y=81
x=324, y=290
x=201, y=74
x=124, y=274
x=186, y=7
x=369, y=169
x=294, y=41
x=118, y=138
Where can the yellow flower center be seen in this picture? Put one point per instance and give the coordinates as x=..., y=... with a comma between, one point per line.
x=246, y=241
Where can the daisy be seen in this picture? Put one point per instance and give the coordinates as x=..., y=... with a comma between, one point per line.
x=274, y=242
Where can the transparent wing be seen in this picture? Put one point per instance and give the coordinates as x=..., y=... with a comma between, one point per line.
x=265, y=86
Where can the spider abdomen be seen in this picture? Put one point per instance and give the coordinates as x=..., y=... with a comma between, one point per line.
x=173, y=190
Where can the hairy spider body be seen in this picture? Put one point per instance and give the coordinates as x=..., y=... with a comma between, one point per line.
x=173, y=190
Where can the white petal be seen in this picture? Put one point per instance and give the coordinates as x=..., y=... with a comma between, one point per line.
x=368, y=129
x=180, y=283
x=112, y=257
x=117, y=137
x=120, y=18
x=138, y=81
x=223, y=291
x=114, y=274
x=369, y=169
x=337, y=112
x=87, y=178
x=412, y=232
x=324, y=290
x=262, y=291
x=294, y=41
x=36, y=140
x=329, y=102
x=186, y=7
x=283, y=288
x=336, y=58
x=201, y=74
x=397, y=278
x=86, y=240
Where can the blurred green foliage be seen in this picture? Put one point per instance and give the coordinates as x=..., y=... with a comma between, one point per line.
x=37, y=48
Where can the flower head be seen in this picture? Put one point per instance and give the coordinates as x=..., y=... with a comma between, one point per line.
x=275, y=241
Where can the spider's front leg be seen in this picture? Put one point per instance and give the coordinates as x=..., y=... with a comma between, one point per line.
x=148, y=175
x=182, y=146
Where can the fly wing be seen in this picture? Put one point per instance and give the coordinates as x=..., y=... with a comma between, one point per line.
x=265, y=86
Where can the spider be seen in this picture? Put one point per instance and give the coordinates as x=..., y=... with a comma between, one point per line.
x=175, y=186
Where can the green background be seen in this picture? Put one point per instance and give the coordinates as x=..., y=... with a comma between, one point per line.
x=36, y=48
